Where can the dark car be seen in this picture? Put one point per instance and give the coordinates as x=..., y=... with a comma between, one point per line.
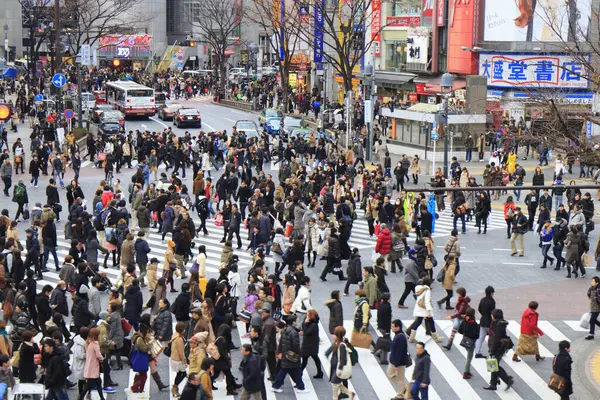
x=187, y=117
x=167, y=112
x=99, y=109
x=108, y=129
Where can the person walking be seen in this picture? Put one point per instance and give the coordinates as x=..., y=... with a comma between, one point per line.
x=340, y=358
x=572, y=256
x=288, y=353
x=310, y=342
x=354, y=270
x=399, y=359
x=498, y=345
x=593, y=294
x=421, y=378
x=423, y=312
x=469, y=329
x=462, y=305
x=55, y=378
x=411, y=276
x=252, y=376
x=562, y=367
x=486, y=305
x=93, y=359
x=178, y=359
x=509, y=213
x=140, y=342
x=546, y=235
x=519, y=228
x=530, y=331
x=449, y=269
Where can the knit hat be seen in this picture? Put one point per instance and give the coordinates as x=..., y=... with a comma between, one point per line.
x=103, y=314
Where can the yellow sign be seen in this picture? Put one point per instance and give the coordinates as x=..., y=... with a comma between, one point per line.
x=292, y=80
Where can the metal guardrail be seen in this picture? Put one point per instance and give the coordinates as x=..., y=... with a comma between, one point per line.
x=490, y=188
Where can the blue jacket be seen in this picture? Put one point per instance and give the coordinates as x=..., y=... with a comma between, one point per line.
x=253, y=380
x=399, y=351
x=141, y=251
x=548, y=235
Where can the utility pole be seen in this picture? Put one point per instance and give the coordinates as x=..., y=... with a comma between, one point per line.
x=57, y=50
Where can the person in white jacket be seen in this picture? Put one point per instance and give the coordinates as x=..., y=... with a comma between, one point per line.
x=78, y=350
x=302, y=303
x=236, y=284
x=423, y=311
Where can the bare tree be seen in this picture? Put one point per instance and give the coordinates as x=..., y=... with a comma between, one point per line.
x=37, y=17
x=344, y=24
x=283, y=29
x=217, y=20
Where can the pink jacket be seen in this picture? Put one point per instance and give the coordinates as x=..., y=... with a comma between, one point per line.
x=93, y=358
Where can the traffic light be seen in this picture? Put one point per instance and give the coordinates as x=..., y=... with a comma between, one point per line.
x=192, y=43
x=5, y=112
x=116, y=63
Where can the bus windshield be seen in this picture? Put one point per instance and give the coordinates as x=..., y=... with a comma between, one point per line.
x=139, y=93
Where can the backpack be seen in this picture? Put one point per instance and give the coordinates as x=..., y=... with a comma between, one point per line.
x=398, y=245
x=510, y=213
x=66, y=368
x=20, y=192
x=584, y=242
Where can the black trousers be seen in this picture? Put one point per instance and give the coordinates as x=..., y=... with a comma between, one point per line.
x=408, y=287
x=237, y=234
x=315, y=357
x=272, y=365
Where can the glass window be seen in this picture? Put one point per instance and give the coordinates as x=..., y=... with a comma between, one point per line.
x=395, y=55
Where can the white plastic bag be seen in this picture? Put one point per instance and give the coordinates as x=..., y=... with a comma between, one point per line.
x=584, y=322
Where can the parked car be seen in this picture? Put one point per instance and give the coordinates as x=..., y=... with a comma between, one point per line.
x=288, y=124
x=273, y=125
x=99, y=109
x=268, y=113
x=187, y=117
x=167, y=112
x=248, y=127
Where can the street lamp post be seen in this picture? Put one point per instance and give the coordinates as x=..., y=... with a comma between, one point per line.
x=446, y=85
x=6, y=48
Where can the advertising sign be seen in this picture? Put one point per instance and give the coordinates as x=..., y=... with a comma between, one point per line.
x=441, y=13
x=532, y=70
x=427, y=8
x=403, y=20
x=85, y=54
x=376, y=26
x=416, y=48
x=527, y=21
x=319, y=25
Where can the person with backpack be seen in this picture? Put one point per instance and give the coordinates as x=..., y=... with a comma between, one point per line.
x=57, y=371
x=20, y=197
x=341, y=363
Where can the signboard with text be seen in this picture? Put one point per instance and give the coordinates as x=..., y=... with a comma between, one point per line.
x=417, y=48
x=532, y=70
x=403, y=20
x=376, y=26
x=428, y=8
x=441, y=13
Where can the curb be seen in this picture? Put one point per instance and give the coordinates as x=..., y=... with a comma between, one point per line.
x=585, y=385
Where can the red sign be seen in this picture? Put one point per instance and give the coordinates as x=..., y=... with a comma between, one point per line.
x=403, y=21
x=127, y=40
x=461, y=33
x=427, y=8
x=441, y=11
x=413, y=97
x=376, y=26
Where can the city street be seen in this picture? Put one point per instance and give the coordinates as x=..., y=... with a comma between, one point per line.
x=485, y=260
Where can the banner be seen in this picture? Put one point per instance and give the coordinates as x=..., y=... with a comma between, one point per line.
x=376, y=26
x=532, y=70
x=319, y=27
x=281, y=33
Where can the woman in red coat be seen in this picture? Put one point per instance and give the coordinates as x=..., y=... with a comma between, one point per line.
x=384, y=244
x=528, y=344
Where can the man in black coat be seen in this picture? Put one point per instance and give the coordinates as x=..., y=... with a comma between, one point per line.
x=562, y=367
x=55, y=378
x=190, y=390
x=234, y=225
x=181, y=306
x=252, y=378
x=486, y=306
x=497, y=347
x=269, y=341
x=44, y=311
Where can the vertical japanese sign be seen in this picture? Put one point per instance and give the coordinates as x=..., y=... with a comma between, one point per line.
x=376, y=26
x=85, y=54
x=441, y=13
x=319, y=26
x=278, y=18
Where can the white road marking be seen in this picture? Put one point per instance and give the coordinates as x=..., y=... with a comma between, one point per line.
x=159, y=122
x=516, y=263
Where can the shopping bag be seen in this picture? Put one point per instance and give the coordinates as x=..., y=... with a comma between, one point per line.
x=374, y=256
x=377, y=229
x=26, y=214
x=491, y=365
x=289, y=228
x=584, y=322
x=219, y=220
x=586, y=259
x=360, y=339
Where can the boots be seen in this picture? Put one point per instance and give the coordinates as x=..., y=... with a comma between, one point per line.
x=158, y=381
x=435, y=337
x=412, y=337
x=448, y=345
x=175, y=391
x=568, y=271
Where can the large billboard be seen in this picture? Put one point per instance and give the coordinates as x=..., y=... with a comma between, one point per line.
x=535, y=21
x=532, y=70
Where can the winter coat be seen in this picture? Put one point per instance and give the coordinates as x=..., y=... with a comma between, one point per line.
x=311, y=234
x=163, y=325
x=594, y=296
x=115, y=330
x=384, y=316
x=452, y=247
x=461, y=306
x=449, y=276
x=395, y=255
x=336, y=314
x=422, y=369
x=134, y=303
x=310, y=339
x=411, y=271
x=26, y=366
x=354, y=269
x=384, y=242
x=486, y=306
x=380, y=273
x=93, y=358
x=143, y=217
x=127, y=252
x=79, y=357
x=562, y=367
x=281, y=240
x=299, y=210
x=572, y=248
x=59, y=299
x=82, y=316
x=251, y=371
x=289, y=342
x=142, y=249
x=334, y=247
x=529, y=323
x=497, y=333
x=302, y=302
x=370, y=288
x=399, y=350
x=91, y=250
x=425, y=293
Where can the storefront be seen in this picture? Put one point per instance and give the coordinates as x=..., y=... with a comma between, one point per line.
x=131, y=50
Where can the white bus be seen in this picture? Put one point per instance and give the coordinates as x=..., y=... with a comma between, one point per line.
x=131, y=98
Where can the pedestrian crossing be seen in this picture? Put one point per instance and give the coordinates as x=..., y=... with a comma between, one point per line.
x=446, y=372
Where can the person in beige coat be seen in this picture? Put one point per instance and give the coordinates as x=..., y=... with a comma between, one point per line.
x=151, y=275
x=178, y=360
x=127, y=252
x=289, y=295
x=169, y=260
x=449, y=269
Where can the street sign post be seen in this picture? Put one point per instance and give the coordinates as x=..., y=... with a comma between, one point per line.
x=39, y=97
x=69, y=116
x=59, y=80
x=434, y=137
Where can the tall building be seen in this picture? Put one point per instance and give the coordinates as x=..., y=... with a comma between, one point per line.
x=10, y=29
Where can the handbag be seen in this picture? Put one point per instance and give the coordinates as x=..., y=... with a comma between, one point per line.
x=276, y=248
x=7, y=310
x=557, y=382
x=491, y=364
x=377, y=229
x=219, y=220
x=586, y=259
x=26, y=213
x=168, y=348
x=409, y=361
x=213, y=351
x=101, y=156
x=361, y=339
x=195, y=267
x=139, y=361
x=291, y=356
x=16, y=358
x=245, y=316
x=156, y=348
x=346, y=371
x=584, y=322
x=441, y=275
x=467, y=342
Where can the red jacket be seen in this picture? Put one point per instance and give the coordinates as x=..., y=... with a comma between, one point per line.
x=106, y=197
x=529, y=322
x=462, y=304
x=384, y=242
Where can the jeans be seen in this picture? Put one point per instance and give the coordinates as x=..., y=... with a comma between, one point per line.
x=557, y=250
x=469, y=155
x=598, y=264
x=545, y=249
x=57, y=393
x=594, y=322
x=483, y=332
x=462, y=220
x=558, y=200
x=517, y=192
x=418, y=392
x=34, y=180
x=50, y=250
x=447, y=298
x=295, y=374
x=508, y=227
x=417, y=322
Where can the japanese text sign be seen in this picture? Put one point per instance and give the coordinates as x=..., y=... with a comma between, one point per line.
x=532, y=70
x=376, y=26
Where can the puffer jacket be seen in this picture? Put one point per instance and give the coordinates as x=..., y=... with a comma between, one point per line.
x=384, y=242
x=452, y=247
x=334, y=247
x=289, y=342
x=529, y=323
x=336, y=314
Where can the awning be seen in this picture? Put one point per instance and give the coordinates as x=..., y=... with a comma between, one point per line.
x=424, y=108
x=9, y=72
x=395, y=80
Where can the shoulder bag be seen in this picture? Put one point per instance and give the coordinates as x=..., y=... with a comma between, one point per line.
x=557, y=382
x=213, y=350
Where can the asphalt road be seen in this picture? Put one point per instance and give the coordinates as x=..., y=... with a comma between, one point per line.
x=485, y=261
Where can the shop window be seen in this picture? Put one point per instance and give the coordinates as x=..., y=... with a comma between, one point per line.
x=395, y=55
